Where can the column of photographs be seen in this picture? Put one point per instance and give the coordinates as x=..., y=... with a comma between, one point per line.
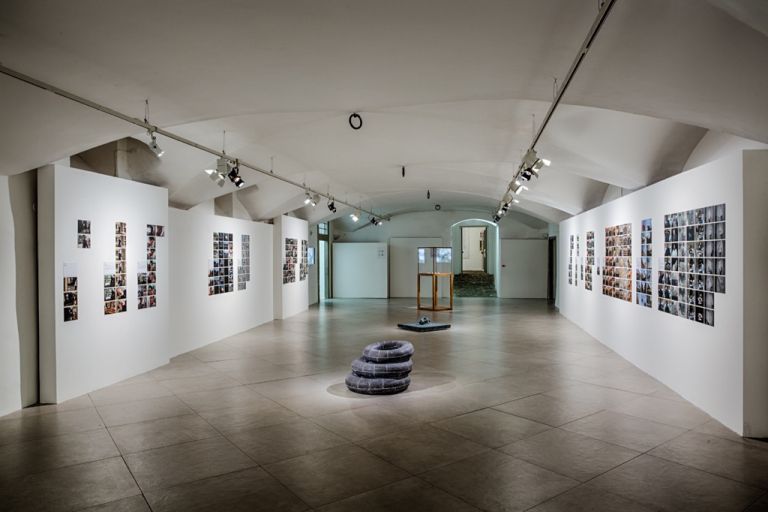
x=115, y=282
x=644, y=288
x=83, y=234
x=244, y=269
x=291, y=258
x=579, y=263
x=617, y=274
x=303, y=267
x=590, y=260
x=570, y=262
x=221, y=267
x=694, y=263
x=70, y=299
x=147, y=275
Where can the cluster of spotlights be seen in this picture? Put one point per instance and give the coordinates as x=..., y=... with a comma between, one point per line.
x=226, y=169
x=529, y=168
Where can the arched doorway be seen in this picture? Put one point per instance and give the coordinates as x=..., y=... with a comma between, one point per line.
x=475, y=244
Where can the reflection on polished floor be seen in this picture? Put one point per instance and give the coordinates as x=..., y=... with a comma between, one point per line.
x=514, y=408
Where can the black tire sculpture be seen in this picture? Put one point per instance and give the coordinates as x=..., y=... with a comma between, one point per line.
x=383, y=369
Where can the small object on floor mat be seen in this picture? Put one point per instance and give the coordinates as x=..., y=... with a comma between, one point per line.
x=425, y=324
x=383, y=369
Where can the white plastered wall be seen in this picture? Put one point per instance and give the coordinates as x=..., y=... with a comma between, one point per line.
x=704, y=364
x=196, y=317
x=10, y=383
x=360, y=270
x=97, y=350
x=290, y=298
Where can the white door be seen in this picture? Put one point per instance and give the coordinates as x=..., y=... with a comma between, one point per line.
x=472, y=253
x=523, y=269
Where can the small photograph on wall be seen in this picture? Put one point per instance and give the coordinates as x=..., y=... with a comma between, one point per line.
x=83, y=234
x=694, y=263
x=617, y=272
x=70, y=293
x=590, y=261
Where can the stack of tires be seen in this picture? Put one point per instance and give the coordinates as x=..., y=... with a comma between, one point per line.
x=383, y=368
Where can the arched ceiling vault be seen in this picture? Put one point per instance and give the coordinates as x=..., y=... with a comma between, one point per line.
x=450, y=92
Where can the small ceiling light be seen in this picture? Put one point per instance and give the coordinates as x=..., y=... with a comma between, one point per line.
x=215, y=176
x=515, y=200
x=314, y=200
x=355, y=216
x=379, y=222
x=520, y=189
x=234, y=173
x=307, y=198
x=155, y=147
x=332, y=206
x=373, y=221
x=496, y=219
x=239, y=182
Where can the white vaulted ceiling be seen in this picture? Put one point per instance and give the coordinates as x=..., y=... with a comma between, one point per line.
x=448, y=88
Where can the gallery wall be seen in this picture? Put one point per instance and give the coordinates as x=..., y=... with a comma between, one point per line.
x=83, y=348
x=404, y=265
x=198, y=317
x=360, y=270
x=523, y=271
x=290, y=286
x=702, y=362
x=10, y=386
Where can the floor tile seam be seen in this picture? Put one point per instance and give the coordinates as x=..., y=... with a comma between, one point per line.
x=41, y=414
x=259, y=395
x=657, y=421
x=125, y=463
x=467, y=438
x=191, y=412
x=538, y=465
x=134, y=400
x=685, y=429
x=37, y=439
x=764, y=495
x=181, y=443
x=732, y=479
x=612, y=388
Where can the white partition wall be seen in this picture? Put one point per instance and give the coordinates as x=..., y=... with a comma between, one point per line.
x=97, y=349
x=360, y=270
x=707, y=364
x=290, y=291
x=10, y=383
x=198, y=318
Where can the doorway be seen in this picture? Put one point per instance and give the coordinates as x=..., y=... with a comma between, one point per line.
x=474, y=249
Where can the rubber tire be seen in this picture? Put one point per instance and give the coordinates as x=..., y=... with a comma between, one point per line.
x=366, y=386
x=390, y=351
x=363, y=368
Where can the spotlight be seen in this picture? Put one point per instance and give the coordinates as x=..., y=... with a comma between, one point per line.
x=307, y=198
x=527, y=174
x=155, y=147
x=515, y=201
x=215, y=176
x=379, y=222
x=373, y=221
x=332, y=206
x=314, y=200
x=239, y=182
x=355, y=216
x=520, y=189
x=496, y=219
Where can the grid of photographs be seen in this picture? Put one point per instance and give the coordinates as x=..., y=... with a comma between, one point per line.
x=290, y=261
x=115, y=280
x=147, y=271
x=303, y=266
x=221, y=267
x=579, y=263
x=570, y=262
x=244, y=269
x=643, y=276
x=70, y=299
x=617, y=274
x=694, y=263
x=590, y=260
x=83, y=234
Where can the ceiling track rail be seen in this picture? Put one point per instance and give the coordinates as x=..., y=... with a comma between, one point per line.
x=178, y=138
x=605, y=8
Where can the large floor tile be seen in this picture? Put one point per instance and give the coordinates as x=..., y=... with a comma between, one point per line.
x=137, y=437
x=132, y=504
x=669, y=412
x=548, y=410
x=142, y=410
x=250, y=490
x=171, y=465
x=422, y=448
x=364, y=422
x=570, y=454
x=629, y=431
x=673, y=487
x=38, y=455
x=603, y=397
x=48, y=425
x=738, y=461
x=586, y=499
x=412, y=494
x=279, y=442
x=199, y=383
x=491, y=428
x=129, y=392
x=494, y=481
x=330, y=475
x=249, y=416
x=69, y=488
x=81, y=402
x=214, y=399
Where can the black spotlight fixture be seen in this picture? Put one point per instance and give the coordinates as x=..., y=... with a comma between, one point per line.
x=332, y=206
x=527, y=174
x=496, y=218
x=355, y=121
x=234, y=175
x=373, y=221
x=403, y=171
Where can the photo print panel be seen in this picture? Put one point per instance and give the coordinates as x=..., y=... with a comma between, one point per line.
x=617, y=271
x=221, y=266
x=83, y=234
x=579, y=264
x=116, y=275
x=146, y=273
x=694, y=263
x=290, y=260
x=71, y=303
x=643, y=274
x=590, y=262
x=570, y=262
x=304, y=266
x=244, y=269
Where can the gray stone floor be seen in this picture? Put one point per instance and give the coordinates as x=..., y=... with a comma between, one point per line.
x=514, y=408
